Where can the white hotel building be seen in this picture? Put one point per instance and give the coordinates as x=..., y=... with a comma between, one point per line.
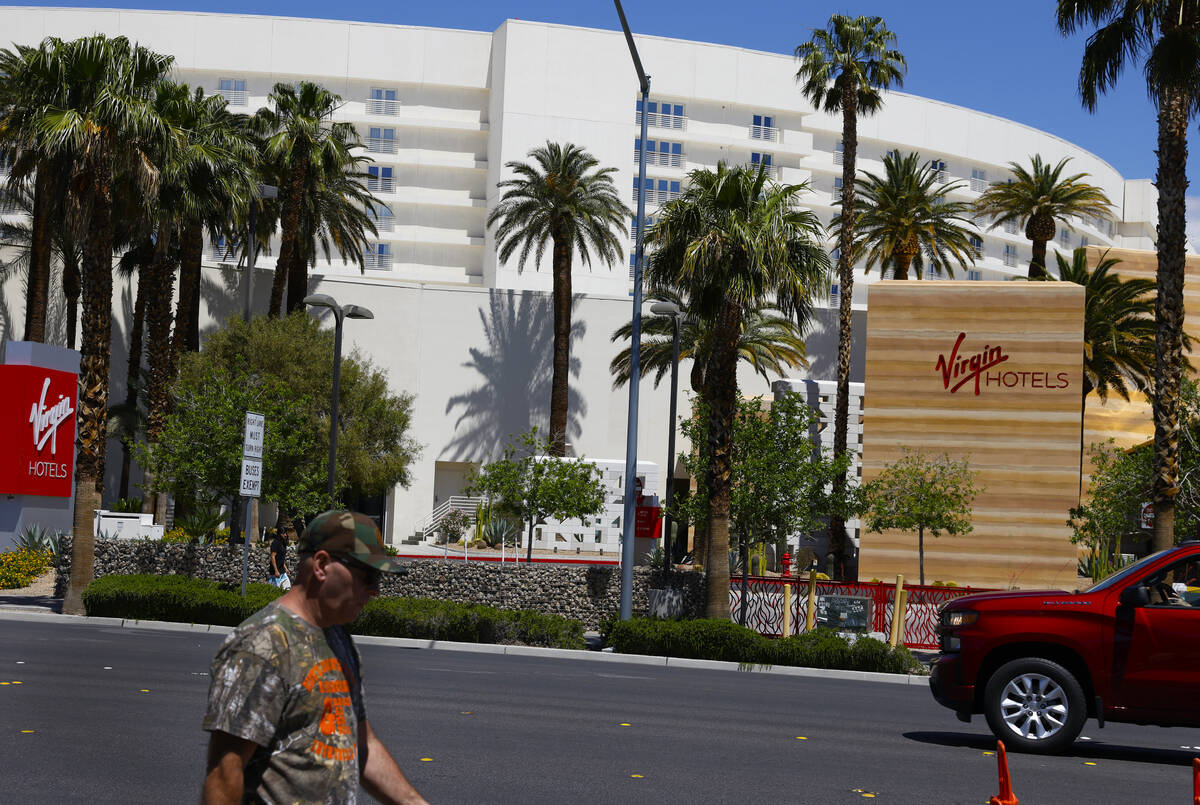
x=442, y=111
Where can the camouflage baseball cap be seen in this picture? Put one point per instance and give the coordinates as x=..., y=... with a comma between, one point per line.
x=348, y=534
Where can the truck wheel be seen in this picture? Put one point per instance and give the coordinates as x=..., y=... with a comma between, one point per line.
x=1035, y=705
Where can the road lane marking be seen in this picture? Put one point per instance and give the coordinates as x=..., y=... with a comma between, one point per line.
x=426, y=760
x=26, y=731
x=626, y=724
x=635, y=775
x=1088, y=763
x=801, y=737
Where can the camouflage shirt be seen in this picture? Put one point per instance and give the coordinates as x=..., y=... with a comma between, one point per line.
x=294, y=690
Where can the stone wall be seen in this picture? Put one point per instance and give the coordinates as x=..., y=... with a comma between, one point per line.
x=587, y=593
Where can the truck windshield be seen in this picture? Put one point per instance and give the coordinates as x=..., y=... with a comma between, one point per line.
x=1125, y=572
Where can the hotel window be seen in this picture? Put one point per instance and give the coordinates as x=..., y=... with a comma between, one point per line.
x=381, y=216
x=757, y=159
x=382, y=101
x=379, y=179
x=1010, y=226
x=1010, y=254
x=658, y=191
x=381, y=141
x=662, y=115
x=763, y=128
x=839, y=151
x=1064, y=238
x=893, y=153
x=834, y=295
x=931, y=273
x=223, y=248
x=1083, y=241
x=977, y=243
x=974, y=274
x=938, y=166
x=649, y=219
x=378, y=256
x=660, y=152
x=233, y=90
x=837, y=187
x=978, y=180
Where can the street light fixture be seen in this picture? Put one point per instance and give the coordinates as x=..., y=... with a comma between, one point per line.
x=262, y=191
x=670, y=309
x=340, y=313
x=635, y=375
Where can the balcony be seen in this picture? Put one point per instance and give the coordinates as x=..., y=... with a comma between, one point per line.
x=771, y=171
x=978, y=185
x=768, y=133
x=660, y=120
x=380, y=184
x=383, y=223
x=941, y=176
x=382, y=107
x=223, y=252
x=234, y=97
x=377, y=262
x=837, y=157
x=659, y=158
x=657, y=196
x=381, y=145
x=1010, y=259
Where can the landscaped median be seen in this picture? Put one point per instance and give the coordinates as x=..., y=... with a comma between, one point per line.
x=182, y=599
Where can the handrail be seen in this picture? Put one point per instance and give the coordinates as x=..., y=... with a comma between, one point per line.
x=464, y=503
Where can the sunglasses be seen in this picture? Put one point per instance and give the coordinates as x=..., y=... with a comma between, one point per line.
x=371, y=575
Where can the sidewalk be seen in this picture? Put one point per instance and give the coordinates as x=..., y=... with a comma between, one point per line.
x=37, y=597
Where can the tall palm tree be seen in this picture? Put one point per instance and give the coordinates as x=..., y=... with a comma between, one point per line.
x=336, y=211
x=1040, y=199
x=769, y=342
x=299, y=134
x=1166, y=34
x=733, y=243
x=108, y=121
x=843, y=69
x=907, y=223
x=559, y=198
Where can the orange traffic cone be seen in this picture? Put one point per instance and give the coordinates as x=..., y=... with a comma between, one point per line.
x=1196, y=781
x=1006, y=796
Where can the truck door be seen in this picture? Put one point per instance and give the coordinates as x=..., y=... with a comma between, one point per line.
x=1156, y=648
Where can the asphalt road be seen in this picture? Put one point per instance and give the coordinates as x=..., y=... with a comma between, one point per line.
x=104, y=714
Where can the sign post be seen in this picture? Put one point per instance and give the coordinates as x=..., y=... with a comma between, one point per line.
x=251, y=483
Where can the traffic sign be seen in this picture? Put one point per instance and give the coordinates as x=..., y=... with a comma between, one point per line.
x=252, y=441
x=251, y=478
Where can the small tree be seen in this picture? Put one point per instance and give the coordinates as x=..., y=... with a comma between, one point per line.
x=454, y=525
x=920, y=492
x=529, y=485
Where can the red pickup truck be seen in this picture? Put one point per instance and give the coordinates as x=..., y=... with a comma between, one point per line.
x=1038, y=664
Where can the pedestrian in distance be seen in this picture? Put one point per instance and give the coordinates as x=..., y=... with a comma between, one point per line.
x=285, y=717
x=277, y=562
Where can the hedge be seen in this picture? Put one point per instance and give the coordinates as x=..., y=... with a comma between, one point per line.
x=185, y=599
x=725, y=640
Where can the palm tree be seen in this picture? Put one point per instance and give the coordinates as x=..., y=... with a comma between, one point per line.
x=108, y=121
x=1167, y=35
x=906, y=223
x=299, y=137
x=336, y=215
x=562, y=199
x=1040, y=199
x=733, y=244
x=843, y=68
x=768, y=343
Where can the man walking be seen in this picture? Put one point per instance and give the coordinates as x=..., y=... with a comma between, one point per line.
x=285, y=710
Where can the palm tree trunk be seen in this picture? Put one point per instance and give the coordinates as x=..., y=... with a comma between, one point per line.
x=37, y=291
x=160, y=292
x=562, y=346
x=841, y=411
x=289, y=225
x=297, y=272
x=133, y=374
x=93, y=379
x=722, y=383
x=187, y=329
x=1037, y=266
x=72, y=282
x=1168, y=308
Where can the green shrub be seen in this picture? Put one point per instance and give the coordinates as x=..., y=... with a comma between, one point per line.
x=725, y=640
x=21, y=567
x=181, y=599
x=466, y=623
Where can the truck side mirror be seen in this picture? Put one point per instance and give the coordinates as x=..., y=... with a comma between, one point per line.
x=1135, y=595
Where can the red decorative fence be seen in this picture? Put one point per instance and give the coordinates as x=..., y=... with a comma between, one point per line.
x=764, y=607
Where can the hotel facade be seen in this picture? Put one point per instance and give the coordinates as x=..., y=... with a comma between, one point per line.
x=442, y=112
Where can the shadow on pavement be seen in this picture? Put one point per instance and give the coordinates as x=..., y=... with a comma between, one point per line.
x=42, y=602
x=1088, y=750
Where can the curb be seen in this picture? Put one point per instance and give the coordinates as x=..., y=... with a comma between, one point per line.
x=492, y=648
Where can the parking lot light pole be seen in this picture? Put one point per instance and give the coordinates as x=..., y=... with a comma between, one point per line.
x=670, y=309
x=339, y=314
x=631, y=428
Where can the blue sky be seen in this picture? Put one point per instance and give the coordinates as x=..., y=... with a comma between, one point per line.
x=1004, y=58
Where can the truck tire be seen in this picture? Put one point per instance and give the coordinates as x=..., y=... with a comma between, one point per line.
x=1034, y=705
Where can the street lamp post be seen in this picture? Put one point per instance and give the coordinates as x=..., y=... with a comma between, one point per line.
x=340, y=313
x=631, y=428
x=670, y=309
x=264, y=191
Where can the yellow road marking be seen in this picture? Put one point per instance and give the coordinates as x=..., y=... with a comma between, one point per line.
x=426, y=759
x=625, y=724
x=635, y=775
x=1088, y=763
x=801, y=737
x=26, y=731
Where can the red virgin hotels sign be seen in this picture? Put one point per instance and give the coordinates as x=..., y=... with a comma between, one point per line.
x=986, y=369
x=37, y=428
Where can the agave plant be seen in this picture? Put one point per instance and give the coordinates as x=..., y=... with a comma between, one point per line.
x=35, y=537
x=498, y=532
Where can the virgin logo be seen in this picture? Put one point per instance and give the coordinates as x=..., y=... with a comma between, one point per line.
x=962, y=370
x=45, y=420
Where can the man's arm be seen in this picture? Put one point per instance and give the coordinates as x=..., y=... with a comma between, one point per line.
x=381, y=776
x=224, y=777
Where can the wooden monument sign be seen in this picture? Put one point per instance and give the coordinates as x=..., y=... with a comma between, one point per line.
x=991, y=371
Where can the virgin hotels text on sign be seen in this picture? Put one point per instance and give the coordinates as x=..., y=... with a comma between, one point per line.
x=37, y=418
x=979, y=369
